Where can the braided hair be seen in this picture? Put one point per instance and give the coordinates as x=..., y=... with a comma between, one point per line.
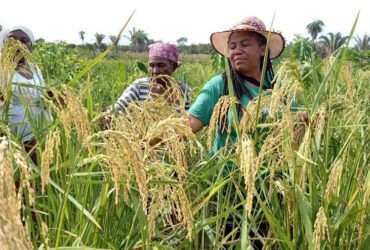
x=238, y=81
x=240, y=89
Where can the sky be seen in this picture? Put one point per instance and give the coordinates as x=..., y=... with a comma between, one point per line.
x=168, y=20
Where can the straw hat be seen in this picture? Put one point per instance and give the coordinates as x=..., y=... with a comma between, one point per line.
x=219, y=40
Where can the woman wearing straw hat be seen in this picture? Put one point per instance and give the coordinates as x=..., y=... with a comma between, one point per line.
x=25, y=105
x=244, y=46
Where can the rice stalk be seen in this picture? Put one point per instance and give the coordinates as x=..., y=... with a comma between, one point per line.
x=321, y=231
x=148, y=133
x=220, y=118
x=13, y=234
x=248, y=166
x=48, y=156
x=72, y=114
x=333, y=184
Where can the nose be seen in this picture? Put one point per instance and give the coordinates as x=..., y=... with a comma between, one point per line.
x=235, y=52
x=155, y=70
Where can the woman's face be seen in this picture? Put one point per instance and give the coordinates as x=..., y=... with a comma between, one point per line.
x=245, y=52
x=22, y=37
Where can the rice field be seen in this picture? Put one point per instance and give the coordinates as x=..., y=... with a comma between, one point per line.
x=287, y=183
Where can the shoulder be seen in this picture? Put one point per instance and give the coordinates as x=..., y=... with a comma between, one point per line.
x=141, y=84
x=144, y=81
x=205, y=102
x=212, y=90
x=216, y=84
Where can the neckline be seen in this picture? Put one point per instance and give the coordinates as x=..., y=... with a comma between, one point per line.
x=251, y=80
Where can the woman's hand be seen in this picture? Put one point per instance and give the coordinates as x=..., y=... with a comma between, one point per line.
x=105, y=121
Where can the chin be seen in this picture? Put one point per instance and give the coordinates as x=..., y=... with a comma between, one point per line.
x=240, y=67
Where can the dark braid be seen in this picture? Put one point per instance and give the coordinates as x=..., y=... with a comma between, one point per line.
x=238, y=80
x=269, y=73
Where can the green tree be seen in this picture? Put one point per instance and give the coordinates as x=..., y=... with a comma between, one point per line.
x=362, y=43
x=114, y=39
x=138, y=39
x=315, y=28
x=301, y=48
x=82, y=36
x=181, y=41
x=332, y=41
x=99, y=41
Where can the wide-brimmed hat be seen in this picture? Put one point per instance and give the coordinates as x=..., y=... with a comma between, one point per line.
x=219, y=40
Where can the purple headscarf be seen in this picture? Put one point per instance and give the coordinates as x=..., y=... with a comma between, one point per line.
x=164, y=51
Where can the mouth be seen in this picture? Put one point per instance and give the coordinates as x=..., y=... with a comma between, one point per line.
x=239, y=60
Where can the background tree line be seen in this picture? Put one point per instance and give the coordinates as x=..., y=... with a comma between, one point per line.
x=139, y=41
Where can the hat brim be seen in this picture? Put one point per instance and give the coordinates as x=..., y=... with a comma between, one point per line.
x=219, y=41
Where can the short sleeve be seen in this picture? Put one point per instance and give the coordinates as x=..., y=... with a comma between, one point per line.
x=208, y=97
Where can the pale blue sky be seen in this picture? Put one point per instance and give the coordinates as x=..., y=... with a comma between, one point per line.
x=168, y=20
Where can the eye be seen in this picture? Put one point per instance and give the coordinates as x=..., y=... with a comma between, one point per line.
x=232, y=45
x=245, y=43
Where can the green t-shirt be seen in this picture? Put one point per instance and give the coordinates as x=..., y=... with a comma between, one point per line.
x=208, y=97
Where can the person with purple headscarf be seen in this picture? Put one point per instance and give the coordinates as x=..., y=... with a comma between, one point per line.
x=163, y=61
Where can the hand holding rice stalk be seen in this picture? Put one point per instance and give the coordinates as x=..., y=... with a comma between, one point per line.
x=169, y=89
x=130, y=153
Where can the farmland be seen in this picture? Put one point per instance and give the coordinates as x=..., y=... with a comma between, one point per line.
x=307, y=184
